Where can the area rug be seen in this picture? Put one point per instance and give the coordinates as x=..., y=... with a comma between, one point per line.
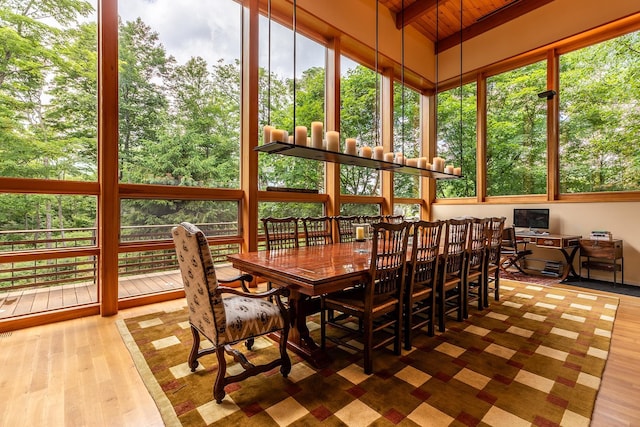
x=536, y=357
x=529, y=278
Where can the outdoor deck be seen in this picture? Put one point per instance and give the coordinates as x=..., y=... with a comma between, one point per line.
x=28, y=301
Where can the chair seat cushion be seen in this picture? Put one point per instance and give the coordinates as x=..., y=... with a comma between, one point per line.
x=250, y=317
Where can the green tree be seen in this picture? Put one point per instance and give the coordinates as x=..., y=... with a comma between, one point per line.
x=358, y=119
x=143, y=105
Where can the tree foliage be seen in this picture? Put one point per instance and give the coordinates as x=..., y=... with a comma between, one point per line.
x=179, y=123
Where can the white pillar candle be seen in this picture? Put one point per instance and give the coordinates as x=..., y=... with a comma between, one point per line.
x=290, y=139
x=333, y=141
x=278, y=135
x=350, y=146
x=378, y=152
x=428, y=166
x=359, y=233
x=438, y=164
x=365, y=152
x=412, y=162
x=448, y=169
x=422, y=162
x=400, y=158
x=316, y=134
x=266, y=134
x=388, y=157
x=457, y=171
x=308, y=141
x=300, y=135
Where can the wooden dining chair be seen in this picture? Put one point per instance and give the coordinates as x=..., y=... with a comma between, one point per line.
x=475, y=264
x=281, y=233
x=318, y=230
x=494, y=246
x=377, y=304
x=346, y=229
x=226, y=316
x=422, y=278
x=394, y=219
x=450, y=290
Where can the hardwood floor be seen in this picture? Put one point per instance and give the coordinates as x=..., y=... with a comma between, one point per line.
x=79, y=373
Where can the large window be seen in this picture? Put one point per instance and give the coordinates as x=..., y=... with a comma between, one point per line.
x=360, y=120
x=48, y=87
x=276, y=106
x=600, y=116
x=48, y=128
x=406, y=137
x=457, y=139
x=517, y=132
x=179, y=99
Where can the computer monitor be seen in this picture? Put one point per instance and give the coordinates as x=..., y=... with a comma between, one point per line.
x=531, y=218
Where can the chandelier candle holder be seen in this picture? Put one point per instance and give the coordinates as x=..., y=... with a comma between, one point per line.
x=312, y=146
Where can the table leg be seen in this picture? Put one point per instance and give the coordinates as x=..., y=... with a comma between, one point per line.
x=569, y=256
x=300, y=341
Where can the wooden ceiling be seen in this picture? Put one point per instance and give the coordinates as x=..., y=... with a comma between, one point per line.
x=478, y=16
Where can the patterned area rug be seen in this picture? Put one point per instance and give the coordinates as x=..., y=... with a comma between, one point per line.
x=536, y=357
x=529, y=278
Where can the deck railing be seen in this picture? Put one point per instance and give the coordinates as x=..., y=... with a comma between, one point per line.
x=72, y=270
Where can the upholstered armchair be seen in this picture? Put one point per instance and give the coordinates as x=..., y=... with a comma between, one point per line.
x=226, y=316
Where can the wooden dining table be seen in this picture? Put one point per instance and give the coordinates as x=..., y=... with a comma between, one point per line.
x=307, y=272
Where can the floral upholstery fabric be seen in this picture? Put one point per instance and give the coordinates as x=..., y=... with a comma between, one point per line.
x=221, y=320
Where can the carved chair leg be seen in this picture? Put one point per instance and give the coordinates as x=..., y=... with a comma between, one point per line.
x=218, y=387
x=284, y=356
x=249, y=343
x=193, y=355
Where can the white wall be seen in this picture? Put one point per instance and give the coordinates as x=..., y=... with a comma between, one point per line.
x=621, y=218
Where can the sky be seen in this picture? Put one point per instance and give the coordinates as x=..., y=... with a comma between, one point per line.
x=211, y=29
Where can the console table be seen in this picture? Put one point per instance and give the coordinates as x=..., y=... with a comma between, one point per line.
x=568, y=246
x=602, y=255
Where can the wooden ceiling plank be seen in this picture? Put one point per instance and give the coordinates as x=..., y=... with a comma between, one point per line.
x=414, y=11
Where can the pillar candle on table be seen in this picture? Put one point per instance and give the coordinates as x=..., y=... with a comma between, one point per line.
x=350, y=146
x=333, y=140
x=266, y=134
x=300, y=135
x=359, y=233
x=316, y=134
x=388, y=157
x=378, y=152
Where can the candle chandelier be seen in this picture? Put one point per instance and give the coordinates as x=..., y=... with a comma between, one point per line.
x=315, y=147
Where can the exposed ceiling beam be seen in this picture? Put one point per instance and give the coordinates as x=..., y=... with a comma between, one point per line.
x=491, y=21
x=414, y=11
